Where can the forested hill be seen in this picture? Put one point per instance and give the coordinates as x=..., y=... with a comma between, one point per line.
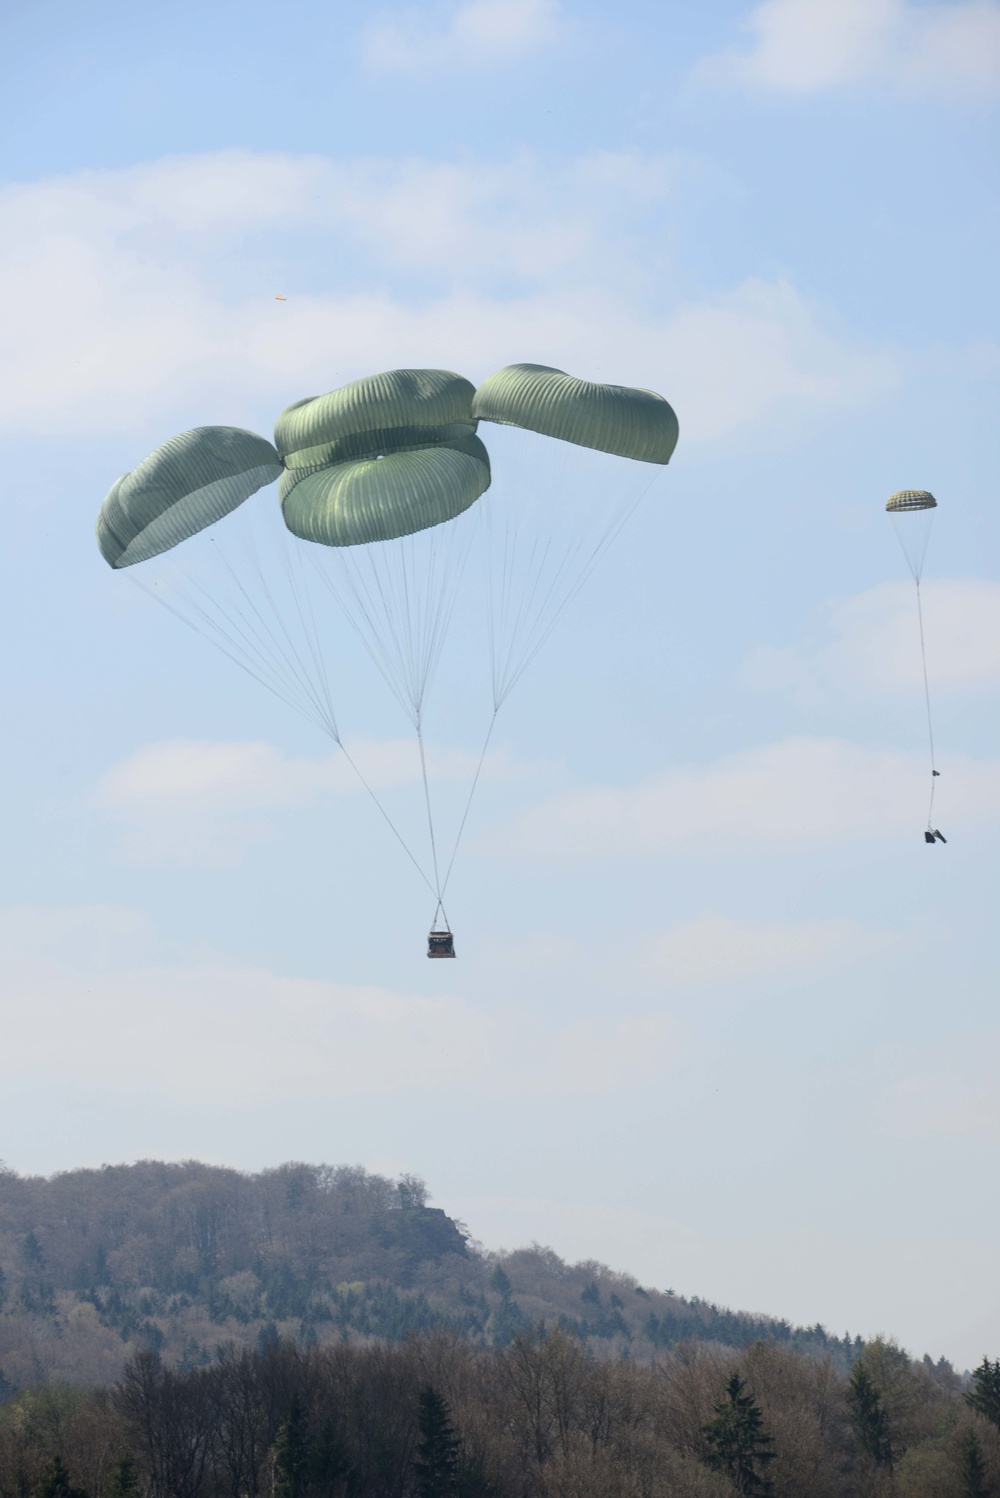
x=185, y=1258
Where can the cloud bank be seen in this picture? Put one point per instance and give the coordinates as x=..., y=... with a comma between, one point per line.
x=718, y=949
x=97, y=997
x=139, y=293
x=800, y=792
x=808, y=46
x=876, y=646
x=207, y=803
x=483, y=34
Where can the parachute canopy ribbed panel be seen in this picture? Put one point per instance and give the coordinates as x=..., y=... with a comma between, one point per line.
x=381, y=458
x=615, y=419
x=910, y=499
x=391, y=412
x=380, y=499
x=183, y=486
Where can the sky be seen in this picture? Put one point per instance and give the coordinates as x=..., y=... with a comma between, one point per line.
x=720, y=1017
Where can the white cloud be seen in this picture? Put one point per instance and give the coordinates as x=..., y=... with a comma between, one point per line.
x=717, y=949
x=799, y=791
x=876, y=644
x=130, y=304
x=195, y=802
x=805, y=46
x=483, y=33
x=950, y=1094
x=260, y=1034
x=94, y=994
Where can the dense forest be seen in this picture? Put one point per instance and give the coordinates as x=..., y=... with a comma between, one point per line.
x=182, y=1259
x=184, y=1331
x=437, y=1417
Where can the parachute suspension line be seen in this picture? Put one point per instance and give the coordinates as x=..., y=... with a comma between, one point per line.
x=221, y=641
x=310, y=629
x=437, y=890
x=912, y=515
x=506, y=673
x=927, y=701
x=261, y=644
x=307, y=619
x=468, y=801
x=514, y=646
x=309, y=704
x=430, y=814
x=388, y=820
x=399, y=599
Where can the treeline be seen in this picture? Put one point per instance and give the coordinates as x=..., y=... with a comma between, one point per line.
x=436, y=1417
x=178, y=1259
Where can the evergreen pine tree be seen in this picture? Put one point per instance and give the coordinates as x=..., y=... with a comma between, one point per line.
x=438, y=1448
x=737, y=1442
x=869, y=1416
x=267, y=1337
x=972, y=1467
x=291, y=1454
x=125, y=1481
x=56, y=1483
x=330, y=1469
x=984, y=1395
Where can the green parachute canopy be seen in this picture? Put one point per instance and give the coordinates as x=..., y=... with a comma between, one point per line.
x=183, y=486
x=906, y=500
x=383, y=457
x=614, y=419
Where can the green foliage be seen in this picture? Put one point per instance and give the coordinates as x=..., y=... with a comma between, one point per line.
x=125, y=1481
x=738, y=1444
x=56, y=1483
x=291, y=1454
x=330, y=1465
x=158, y=1250
x=438, y=1449
x=973, y=1468
x=984, y=1395
x=869, y=1418
x=439, y=1416
x=31, y=1251
x=267, y=1336
x=500, y=1282
x=412, y=1192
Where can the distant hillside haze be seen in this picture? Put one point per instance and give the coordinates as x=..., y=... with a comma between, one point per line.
x=182, y=1259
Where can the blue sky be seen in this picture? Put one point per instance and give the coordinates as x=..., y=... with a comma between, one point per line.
x=720, y=1017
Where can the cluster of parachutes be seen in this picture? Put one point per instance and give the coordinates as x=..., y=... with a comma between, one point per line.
x=381, y=458
x=378, y=474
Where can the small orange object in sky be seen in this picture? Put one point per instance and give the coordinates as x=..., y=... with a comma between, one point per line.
x=281, y=299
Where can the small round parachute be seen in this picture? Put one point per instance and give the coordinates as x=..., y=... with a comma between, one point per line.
x=182, y=487
x=912, y=511
x=381, y=458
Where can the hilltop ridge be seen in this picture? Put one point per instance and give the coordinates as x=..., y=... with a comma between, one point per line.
x=184, y=1258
